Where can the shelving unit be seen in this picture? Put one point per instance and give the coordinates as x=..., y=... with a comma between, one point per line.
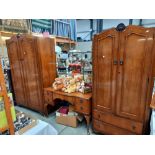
x=80, y=60
x=82, y=53
x=58, y=39
x=64, y=40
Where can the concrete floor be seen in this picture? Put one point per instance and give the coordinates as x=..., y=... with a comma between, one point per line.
x=62, y=130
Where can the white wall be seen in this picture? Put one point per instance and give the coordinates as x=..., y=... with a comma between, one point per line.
x=148, y=22
x=145, y=22
x=84, y=25
x=135, y=21
x=84, y=46
x=109, y=23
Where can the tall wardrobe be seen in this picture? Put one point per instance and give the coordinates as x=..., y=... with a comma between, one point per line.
x=123, y=69
x=33, y=67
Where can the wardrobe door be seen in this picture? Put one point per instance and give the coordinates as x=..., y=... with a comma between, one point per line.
x=133, y=74
x=47, y=60
x=31, y=72
x=105, y=46
x=16, y=70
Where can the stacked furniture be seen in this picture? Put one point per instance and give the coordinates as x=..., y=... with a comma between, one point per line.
x=123, y=62
x=33, y=67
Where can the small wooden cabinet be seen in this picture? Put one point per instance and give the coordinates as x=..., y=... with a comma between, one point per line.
x=33, y=67
x=82, y=103
x=123, y=80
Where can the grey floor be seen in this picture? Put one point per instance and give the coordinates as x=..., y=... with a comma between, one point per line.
x=62, y=130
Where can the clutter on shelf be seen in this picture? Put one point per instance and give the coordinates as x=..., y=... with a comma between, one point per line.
x=74, y=61
x=75, y=68
x=70, y=84
x=14, y=25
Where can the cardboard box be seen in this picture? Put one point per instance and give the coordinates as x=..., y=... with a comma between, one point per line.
x=69, y=119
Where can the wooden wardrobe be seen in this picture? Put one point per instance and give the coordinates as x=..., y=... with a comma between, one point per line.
x=33, y=67
x=123, y=60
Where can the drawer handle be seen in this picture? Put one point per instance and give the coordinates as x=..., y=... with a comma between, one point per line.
x=121, y=62
x=115, y=62
x=133, y=127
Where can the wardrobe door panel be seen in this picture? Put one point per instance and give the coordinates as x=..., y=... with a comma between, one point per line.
x=16, y=71
x=31, y=73
x=47, y=57
x=104, y=70
x=133, y=74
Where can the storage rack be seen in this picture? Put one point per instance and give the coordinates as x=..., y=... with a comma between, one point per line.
x=83, y=66
x=84, y=70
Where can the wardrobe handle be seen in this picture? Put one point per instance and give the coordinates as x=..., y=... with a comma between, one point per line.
x=133, y=127
x=121, y=62
x=115, y=62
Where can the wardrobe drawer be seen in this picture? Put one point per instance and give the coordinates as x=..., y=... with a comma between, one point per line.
x=124, y=123
x=105, y=128
x=70, y=99
x=82, y=106
x=48, y=96
x=58, y=96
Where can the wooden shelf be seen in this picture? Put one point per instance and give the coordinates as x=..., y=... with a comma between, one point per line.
x=7, y=34
x=80, y=52
x=64, y=40
x=58, y=39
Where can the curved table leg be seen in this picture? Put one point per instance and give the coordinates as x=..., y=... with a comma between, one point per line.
x=87, y=117
x=45, y=109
